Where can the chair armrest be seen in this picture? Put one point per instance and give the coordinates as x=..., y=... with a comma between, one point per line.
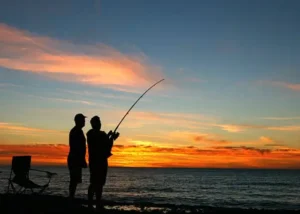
x=49, y=174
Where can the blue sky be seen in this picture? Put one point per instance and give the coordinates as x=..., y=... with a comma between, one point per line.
x=231, y=62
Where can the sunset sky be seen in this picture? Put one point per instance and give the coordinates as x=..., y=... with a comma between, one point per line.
x=231, y=95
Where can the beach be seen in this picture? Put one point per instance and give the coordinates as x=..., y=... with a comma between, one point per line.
x=10, y=203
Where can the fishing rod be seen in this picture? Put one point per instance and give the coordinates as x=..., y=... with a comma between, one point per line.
x=135, y=103
x=133, y=106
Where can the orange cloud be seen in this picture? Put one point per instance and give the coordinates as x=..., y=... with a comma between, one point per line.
x=232, y=128
x=196, y=137
x=86, y=93
x=154, y=156
x=41, y=153
x=185, y=120
x=241, y=128
x=281, y=118
x=95, y=65
x=170, y=117
x=17, y=128
x=284, y=128
x=203, y=139
x=266, y=139
x=192, y=122
x=295, y=87
x=85, y=102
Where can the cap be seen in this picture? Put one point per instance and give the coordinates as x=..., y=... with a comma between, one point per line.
x=79, y=116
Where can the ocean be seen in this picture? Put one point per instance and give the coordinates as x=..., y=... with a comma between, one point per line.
x=232, y=188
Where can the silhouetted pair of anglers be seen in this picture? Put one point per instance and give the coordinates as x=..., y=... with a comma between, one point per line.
x=99, y=147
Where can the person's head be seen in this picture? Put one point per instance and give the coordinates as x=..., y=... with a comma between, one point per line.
x=79, y=120
x=96, y=123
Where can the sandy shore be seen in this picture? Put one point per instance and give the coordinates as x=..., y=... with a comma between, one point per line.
x=57, y=204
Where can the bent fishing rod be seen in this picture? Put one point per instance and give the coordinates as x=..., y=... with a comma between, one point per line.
x=134, y=105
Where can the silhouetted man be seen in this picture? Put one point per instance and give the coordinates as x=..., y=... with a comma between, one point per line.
x=99, y=147
x=76, y=157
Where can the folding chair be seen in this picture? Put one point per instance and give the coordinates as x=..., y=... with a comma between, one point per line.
x=21, y=165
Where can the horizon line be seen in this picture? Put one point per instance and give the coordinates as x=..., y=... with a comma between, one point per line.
x=164, y=167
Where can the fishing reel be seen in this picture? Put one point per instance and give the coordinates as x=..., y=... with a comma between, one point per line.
x=113, y=135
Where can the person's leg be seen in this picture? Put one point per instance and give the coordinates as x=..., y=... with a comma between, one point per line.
x=94, y=179
x=75, y=178
x=100, y=184
x=72, y=189
x=73, y=183
x=99, y=205
x=91, y=192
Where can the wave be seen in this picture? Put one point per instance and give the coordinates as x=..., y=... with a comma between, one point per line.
x=266, y=184
x=149, y=189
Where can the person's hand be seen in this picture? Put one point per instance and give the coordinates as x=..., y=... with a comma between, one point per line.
x=110, y=133
x=113, y=135
x=116, y=135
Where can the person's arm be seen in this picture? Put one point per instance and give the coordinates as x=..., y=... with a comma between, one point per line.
x=84, y=152
x=109, y=143
x=73, y=144
x=73, y=152
x=110, y=140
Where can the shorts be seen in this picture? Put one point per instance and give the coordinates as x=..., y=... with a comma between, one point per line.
x=75, y=174
x=98, y=175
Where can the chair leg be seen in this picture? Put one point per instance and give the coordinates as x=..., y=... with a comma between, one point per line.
x=44, y=187
x=12, y=186
x=7, y=191
x=19, y=190
x=22, y=190
x=9, y=185
x=14, y=189
x=42, y=190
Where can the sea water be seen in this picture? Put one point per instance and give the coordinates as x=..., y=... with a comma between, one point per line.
x=239, y=188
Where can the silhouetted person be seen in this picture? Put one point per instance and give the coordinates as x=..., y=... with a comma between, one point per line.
x=99, y=147
x=76, y=157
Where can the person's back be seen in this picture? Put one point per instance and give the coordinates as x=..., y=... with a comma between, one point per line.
x=99, y=147
x=77, y=147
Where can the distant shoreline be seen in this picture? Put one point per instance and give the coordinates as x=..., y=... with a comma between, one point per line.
x=133, y=167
